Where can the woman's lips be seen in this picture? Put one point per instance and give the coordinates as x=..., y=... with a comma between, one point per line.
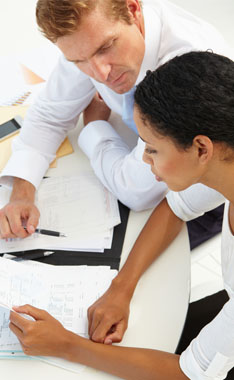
x=158, y=178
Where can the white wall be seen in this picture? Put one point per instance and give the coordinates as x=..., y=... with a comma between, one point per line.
x=220, y=13
x=18, y=29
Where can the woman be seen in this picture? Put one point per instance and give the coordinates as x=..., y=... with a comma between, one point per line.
x=184, y=112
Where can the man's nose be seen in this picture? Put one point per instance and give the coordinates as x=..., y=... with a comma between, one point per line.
x=100, y=68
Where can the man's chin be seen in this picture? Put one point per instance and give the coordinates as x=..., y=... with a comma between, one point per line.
x=122, y=88
x=121, y=92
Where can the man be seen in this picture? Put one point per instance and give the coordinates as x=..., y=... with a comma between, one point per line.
x=107, y=46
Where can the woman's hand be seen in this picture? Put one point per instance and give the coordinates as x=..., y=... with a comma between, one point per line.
x=108, y=316
x=44, y=336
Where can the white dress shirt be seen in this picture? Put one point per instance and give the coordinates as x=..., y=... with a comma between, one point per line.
x=169, y=31
x=211, y=354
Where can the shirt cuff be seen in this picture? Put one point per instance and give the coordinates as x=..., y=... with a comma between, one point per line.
x=29, y=166
x=95, y=133
x=193, y=371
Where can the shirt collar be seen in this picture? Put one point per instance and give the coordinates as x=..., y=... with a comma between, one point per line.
x=152, y=41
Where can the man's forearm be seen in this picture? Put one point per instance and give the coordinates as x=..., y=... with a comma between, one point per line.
x=22, y=189
x=160, y=230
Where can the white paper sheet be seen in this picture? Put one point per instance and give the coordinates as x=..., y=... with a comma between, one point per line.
x=78, y=206
x=65, y=292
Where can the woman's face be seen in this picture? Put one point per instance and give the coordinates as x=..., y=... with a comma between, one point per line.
x=179, y=168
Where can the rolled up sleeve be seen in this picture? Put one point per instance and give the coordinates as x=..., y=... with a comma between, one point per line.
x=194, y=201
x=120, y=169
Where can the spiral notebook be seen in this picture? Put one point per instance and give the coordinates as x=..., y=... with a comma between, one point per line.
x=19, y=84
x=18, y=96
x=15, y=98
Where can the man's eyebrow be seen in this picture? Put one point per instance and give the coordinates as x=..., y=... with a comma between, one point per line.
x=73, y=60
x=95, y=52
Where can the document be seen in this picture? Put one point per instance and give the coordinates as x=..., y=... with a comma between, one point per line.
x=65, y=292
x=79, y=206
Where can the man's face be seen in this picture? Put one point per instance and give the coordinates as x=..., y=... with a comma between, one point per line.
x=109, y=51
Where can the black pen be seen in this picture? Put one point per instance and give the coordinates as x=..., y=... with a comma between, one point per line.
x=48, y=232
x=32, y=256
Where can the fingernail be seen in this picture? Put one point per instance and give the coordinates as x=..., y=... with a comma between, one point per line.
x=31, y=229
x=14, y=307
x=108, y=341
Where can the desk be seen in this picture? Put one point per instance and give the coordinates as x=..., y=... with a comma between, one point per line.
x=158, y=307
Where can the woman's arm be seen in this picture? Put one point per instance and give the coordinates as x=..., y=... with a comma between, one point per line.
x=108, y=316
x=47, y=337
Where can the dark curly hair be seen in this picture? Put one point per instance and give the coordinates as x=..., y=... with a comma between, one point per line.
x=191, y=94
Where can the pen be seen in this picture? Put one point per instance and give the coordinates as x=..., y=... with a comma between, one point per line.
x=32, y=256
x=48, y=232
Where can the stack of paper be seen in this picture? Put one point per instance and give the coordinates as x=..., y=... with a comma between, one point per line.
x=65, y=292
x=81, y=207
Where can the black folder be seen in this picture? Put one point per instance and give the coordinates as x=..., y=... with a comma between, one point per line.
x=110, y=257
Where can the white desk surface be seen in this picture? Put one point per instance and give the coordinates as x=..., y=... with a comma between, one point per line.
x=158, y=307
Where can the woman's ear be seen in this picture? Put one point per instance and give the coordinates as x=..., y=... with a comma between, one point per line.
x=204, y=147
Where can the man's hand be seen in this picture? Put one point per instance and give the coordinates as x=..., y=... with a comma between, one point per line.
x=96, y=110
x=108, y=316
x=44, y=336
x=12, y=215
x=20, y=212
